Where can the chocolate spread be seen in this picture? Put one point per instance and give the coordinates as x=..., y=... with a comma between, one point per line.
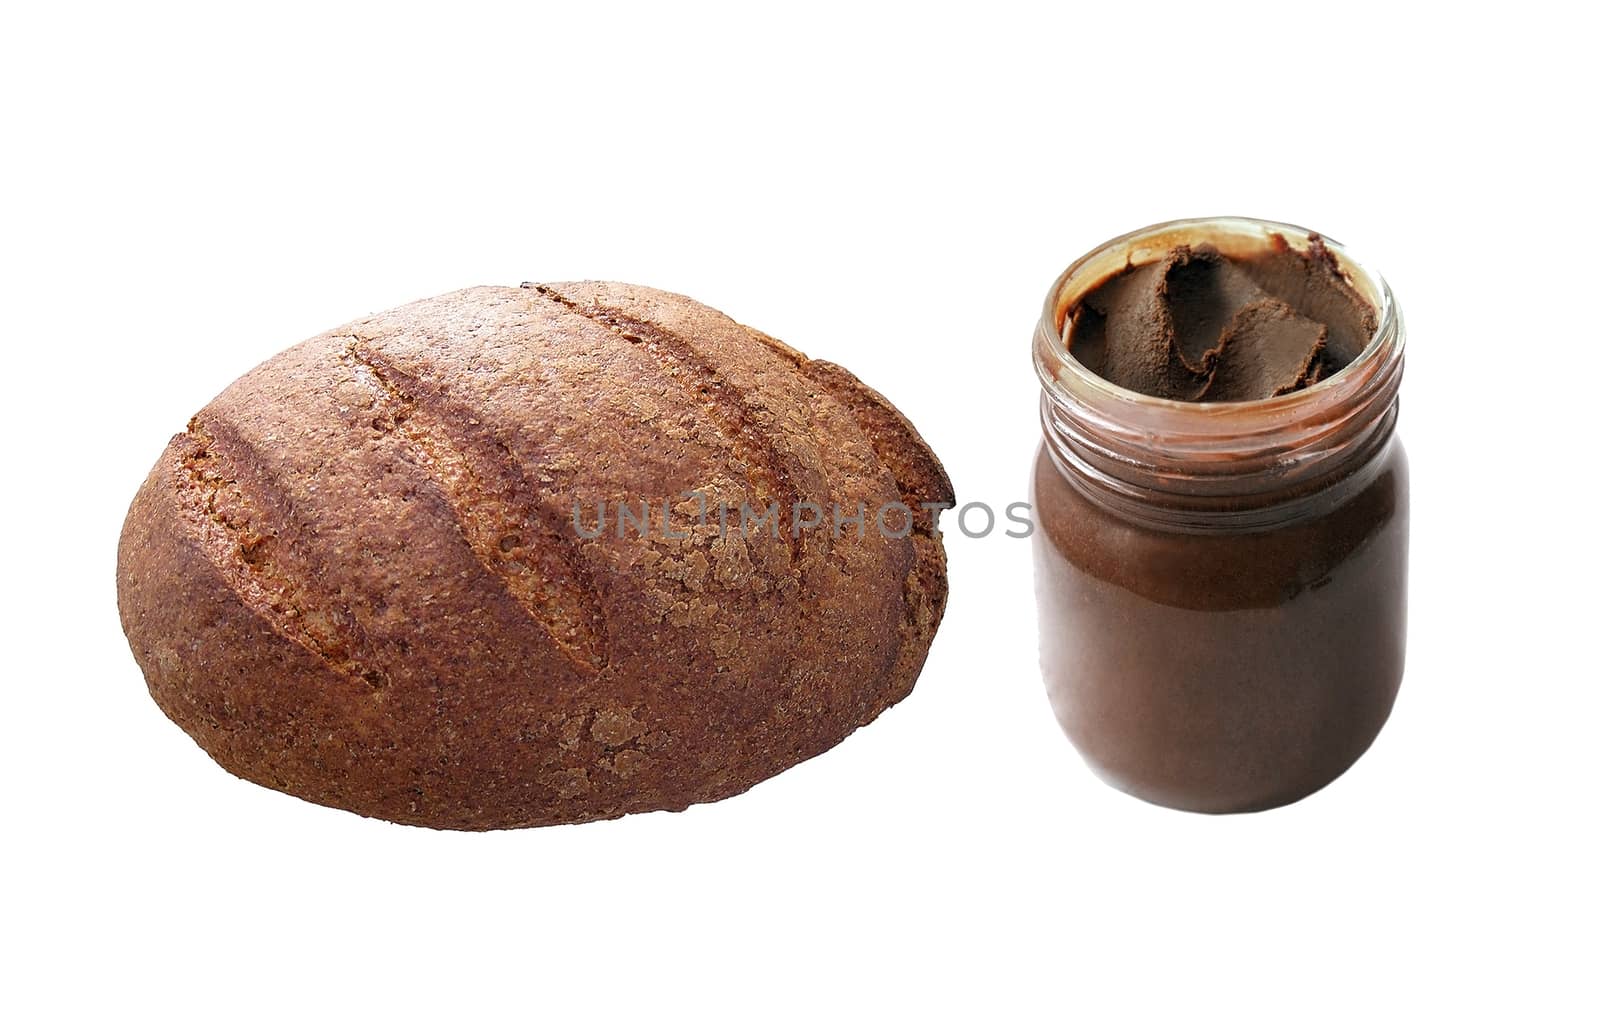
x=1223, y=672
x=1202, y=325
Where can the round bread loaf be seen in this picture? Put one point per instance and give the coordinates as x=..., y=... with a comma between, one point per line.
x=385, y=570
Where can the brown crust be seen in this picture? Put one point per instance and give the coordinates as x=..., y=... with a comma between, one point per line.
x=357, y=579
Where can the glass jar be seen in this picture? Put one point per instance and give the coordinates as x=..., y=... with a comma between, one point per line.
x=1221, y=586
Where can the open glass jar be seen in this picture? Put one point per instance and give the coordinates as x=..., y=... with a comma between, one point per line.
x=1221, y=586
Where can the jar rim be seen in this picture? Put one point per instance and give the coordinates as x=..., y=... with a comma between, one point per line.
x=1189, y=460
x=1061, y=373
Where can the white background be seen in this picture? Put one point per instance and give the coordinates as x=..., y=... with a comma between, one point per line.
x=188, y=191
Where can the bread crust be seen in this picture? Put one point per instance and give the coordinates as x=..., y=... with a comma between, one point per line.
x=358, y=576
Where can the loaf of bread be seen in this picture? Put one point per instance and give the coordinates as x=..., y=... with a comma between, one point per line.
x=400, y=569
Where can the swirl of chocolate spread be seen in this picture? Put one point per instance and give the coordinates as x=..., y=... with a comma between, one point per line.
x=1203, y=325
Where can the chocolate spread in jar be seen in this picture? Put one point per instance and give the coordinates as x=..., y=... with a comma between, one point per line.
x=1223, y=672
x=1220, y=630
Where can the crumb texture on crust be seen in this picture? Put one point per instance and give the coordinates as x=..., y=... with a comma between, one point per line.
x=359, y=575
